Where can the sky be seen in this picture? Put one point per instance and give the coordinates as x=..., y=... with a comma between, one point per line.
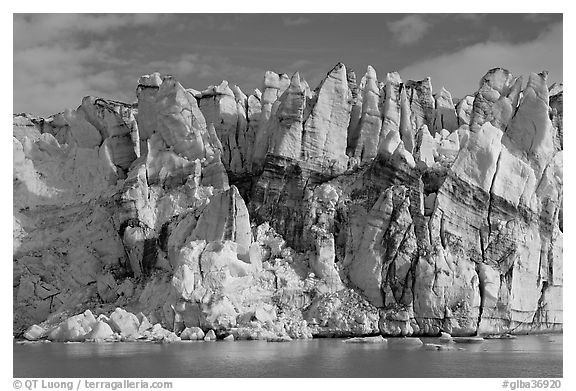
x=60, y=58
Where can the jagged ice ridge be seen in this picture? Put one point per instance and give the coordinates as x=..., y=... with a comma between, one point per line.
x=357, y=208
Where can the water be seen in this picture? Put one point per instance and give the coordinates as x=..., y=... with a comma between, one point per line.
x=526, y=356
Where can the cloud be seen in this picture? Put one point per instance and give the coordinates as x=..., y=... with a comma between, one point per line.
x=473, y=18
x=48, y=79
x=295, y=20
x=460, y=71
x=410, y=29
x=192, y=70
x=185, y=65
x=60, y=58
x=299, y=64
x=214, y=22
x=33, y=29
x=539, y=18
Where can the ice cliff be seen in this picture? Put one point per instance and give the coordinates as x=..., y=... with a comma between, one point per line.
x=362, y=207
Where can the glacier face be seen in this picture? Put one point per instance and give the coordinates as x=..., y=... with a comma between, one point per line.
x=350, y=210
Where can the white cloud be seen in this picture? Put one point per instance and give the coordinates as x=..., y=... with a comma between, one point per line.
x=461, y=71
x=60, y=58
x=34, y=29
x=185, y=65
x=48, y=79
x=295, y=20
x=189, y=68
x=410, y=29
x=53, y=69
x=298, y=65
x=538, y=18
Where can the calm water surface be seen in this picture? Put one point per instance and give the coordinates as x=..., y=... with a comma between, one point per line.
x=526, y=356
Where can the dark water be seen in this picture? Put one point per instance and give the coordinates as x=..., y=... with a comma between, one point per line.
x=526, y=356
